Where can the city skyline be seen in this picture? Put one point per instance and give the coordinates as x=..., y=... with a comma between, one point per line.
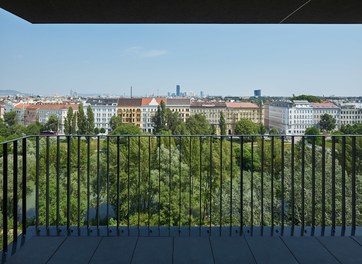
x=227, y=60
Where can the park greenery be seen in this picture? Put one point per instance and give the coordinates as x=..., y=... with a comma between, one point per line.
x=193, y=178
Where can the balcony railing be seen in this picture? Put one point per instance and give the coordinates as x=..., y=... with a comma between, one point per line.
x=141, y=185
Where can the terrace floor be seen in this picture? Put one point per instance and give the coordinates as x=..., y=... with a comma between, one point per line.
x=174, y=249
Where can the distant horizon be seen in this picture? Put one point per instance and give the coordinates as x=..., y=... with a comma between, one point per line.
x=218, y=59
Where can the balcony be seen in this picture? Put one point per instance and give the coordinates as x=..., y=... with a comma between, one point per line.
x=201, y=199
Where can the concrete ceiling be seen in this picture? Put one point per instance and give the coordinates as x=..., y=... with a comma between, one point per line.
x=187, y=11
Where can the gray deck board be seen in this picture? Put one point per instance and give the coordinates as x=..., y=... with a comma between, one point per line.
x=192, y=250
x=308, y=250
x=153, y=250
x=29, y=253
x=76, y=250
x=114, y=250
x=231, y=250
x=270, y=250
x=345, y=249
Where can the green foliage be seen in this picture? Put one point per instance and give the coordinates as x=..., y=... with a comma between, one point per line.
x=52, y=123
x=69, y=122
x=198, y=125
x=10, y=118
x=90, y=120
x=33, y=129
x=159, y=118
x=115, y=121
x=82, y=121
x=313, y=131
x=309, y=98
x=222, y=124
x=126, y=129
x=96, y=130
x=274, y=131
x=327, y=122
x=246, y=127
x=355, y=129
x=102, y=130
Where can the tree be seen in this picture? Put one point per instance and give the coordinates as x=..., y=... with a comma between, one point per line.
x=90, y=120
x=309, y=98
x=102, y=130
x=246, y=127
x=82, y=121
x=68, y=128
x=159, y=118
x=96, y=130
x=313, y=131
x=10, y=118
x=52, y=123
x=327, y=122
x=172, y=121
x=273, y=131
x=222, y=124
x=126, y=129
x=115, y=122
x=198, y=125
x=33, y=129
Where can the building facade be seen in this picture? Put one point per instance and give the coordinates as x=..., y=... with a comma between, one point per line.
x=129, y=109
x=103, y=110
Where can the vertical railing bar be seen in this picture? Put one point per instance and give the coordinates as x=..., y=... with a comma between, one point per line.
x=138, y=186
x=159, y=184
x=252, y=188
x=343, y=186
x=333, y=185
x=353, y=231
x=107, y=184
x=24, y=186
x=262, y=186
x=241, y=184
x=149, y=184
x=231, y=185
x=98, y=183
x=282, y=187
x=180, y=182
x=169, y=186
x=302, y=190
x=128, y=183
x=68, y=183
x=323, y=184
x=220, y=203
x=118, y=183
x=15, y=191
x=78, y=189
x=210, y=179
x=272, y=187
x=200, y=198
x=5, y=198
x=313, y=184
x=292, y=187
x=190, y=184
x=37, y=184
x=47, y=163
x=57, y=184
x=88, y=182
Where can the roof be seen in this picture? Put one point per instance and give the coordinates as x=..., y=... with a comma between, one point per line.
x=19, y=106
x=156, y=101
x=187, y=11
x=57, y=106
x=178, y=102
x=324, y=105
x=208, y=104
x=102, y=101
x=241, y=105
x=130, y=102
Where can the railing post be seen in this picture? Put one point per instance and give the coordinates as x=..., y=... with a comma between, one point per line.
x=15, y=191
x=24, y=186
x=5, y=198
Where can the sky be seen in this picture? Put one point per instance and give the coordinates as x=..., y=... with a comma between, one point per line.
x=227, y=60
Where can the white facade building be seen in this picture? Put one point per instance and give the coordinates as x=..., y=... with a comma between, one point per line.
x=103, y=110
x=351, y=114
x=148, y=110
x=326, y=108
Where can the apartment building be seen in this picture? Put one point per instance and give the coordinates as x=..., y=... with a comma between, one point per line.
x=326, y=108
x=291, y=118
x=181, y=106
x=351, y=114
x=210, y=109
x=103, y=110
x=237, y=110
x=148, y=109
x=58, y=110
x=129, y=109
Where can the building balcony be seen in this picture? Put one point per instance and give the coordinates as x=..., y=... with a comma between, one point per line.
x=200, y=199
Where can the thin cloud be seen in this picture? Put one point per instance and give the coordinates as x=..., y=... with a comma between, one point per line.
x=141, y=52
